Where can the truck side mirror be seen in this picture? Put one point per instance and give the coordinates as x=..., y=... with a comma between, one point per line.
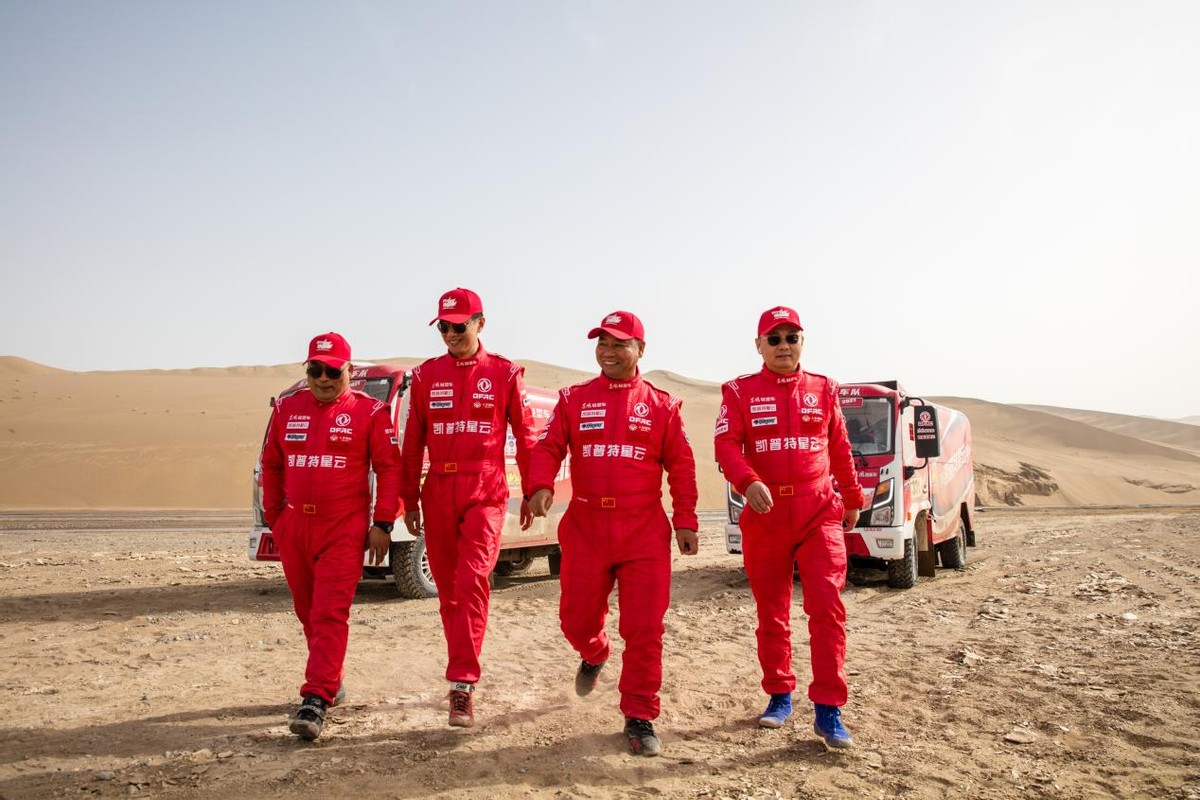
x=928, y=437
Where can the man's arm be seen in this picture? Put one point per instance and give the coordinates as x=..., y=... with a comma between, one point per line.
x=412, y=454
x=273, y=467
x=547, y=457
x=385, y=461
x=520, y=418
x=680, y=464
x=841, y=459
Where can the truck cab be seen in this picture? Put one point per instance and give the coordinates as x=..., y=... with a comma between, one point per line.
x=407, y=562
x=914, y=462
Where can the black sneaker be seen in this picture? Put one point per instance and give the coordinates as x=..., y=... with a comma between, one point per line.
x=587, y=677
x=310, y=718
x=639, y=733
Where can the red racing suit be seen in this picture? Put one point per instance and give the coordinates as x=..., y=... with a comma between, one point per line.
x=620, y=435
x=460, y=409
x=788, y=432
x=317, y=502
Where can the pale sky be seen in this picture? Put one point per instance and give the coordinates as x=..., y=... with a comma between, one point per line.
x=996, y=200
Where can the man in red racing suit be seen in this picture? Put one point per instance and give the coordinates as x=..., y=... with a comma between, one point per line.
x=460, y=405
x=621, y=433
x=320, y=445
x=779, y=435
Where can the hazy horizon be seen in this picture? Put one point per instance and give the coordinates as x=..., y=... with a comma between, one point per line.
x=984, y=200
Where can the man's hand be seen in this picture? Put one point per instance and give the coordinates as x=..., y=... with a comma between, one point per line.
x=849, y=518
x=412, y=521
x=758, y=497
x=541, y=501
x=378, y=543
x=526, y=515
x=688, y=541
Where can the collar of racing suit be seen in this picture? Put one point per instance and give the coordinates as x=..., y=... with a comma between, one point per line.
x=623, y=384
x=775, y=377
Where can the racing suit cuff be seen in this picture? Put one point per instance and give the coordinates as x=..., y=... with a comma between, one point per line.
x=685, y=520
x=538, y=487
x=745, y=484
x=853, y=499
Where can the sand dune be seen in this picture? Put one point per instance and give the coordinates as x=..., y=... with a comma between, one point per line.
x=189, y=438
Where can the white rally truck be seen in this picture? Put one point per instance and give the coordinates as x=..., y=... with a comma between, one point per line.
x=407, y=562
x=914, y=461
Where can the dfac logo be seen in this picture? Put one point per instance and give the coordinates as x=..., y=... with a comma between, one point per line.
x=450, y=302
x=484, y=385
x=641, y=409
x=324, y=344
x=810, y=399
x=342, y=420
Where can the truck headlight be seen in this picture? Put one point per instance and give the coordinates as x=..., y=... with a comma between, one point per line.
x=883, y=494
x=882, y=517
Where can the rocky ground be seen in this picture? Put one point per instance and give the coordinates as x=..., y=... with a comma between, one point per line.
x=144, y=655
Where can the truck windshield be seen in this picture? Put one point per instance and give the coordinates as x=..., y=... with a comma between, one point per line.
x=379, y=388
x=869, y=425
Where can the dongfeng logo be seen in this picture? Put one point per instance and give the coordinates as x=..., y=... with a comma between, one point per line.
x=810, y=399
x=641, y=409
x=484, y=385
x=342, y=420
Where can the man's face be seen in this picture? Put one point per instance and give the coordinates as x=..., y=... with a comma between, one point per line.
x=782, y=357
x=462, y=339
x=324, y=387
x=618, y=358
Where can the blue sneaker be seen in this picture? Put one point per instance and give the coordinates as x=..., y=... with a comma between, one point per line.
x=778, y=711
x=828, y=725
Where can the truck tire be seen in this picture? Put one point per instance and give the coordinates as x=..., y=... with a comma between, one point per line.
x=902, y=574
x=506, y=568
x=953, y=552
x=410, y=567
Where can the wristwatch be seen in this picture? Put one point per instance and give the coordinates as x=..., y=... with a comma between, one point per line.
x=386, y=527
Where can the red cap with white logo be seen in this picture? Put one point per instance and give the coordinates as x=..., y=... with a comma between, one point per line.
x=330, y=348
x=774, y=317
x=458, y=305
x=620, y=325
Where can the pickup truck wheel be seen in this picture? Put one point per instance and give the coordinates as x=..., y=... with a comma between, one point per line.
x=506, y=568
x=953, y=552
x=902, y=574
x=410, y=567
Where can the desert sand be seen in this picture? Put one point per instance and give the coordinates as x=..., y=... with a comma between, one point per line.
x=189, y=439
x=144, y=655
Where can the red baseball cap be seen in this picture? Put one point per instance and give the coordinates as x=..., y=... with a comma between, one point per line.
x=330, y=348
x=774, y=317
x=620, y=324
x=458, y=305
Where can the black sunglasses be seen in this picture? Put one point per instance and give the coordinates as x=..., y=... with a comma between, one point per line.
x=458, y=327
x=774, y=339
x=316, y=369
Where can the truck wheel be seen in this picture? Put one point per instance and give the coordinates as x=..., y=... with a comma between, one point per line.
x=555, y=560
x=953, y=552
x=902, y=574
x=410, y=567
x=506, y=568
